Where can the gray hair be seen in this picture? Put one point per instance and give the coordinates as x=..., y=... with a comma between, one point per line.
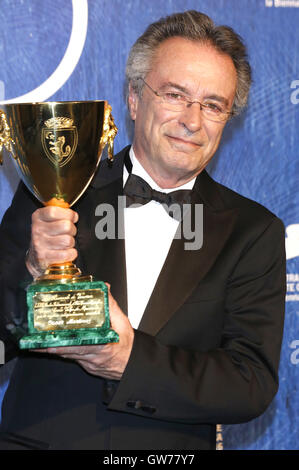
x=195, y=26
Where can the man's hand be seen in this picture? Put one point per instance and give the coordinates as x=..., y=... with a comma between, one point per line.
x=52, y=238
x=108, y=361
x=52, y=241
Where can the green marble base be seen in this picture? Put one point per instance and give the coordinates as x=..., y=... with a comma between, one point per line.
x=68, y=338
x=67, y=314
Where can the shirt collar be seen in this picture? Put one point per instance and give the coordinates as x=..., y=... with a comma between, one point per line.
x=138, y=170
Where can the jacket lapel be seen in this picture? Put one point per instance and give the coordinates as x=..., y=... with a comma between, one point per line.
x=183, y=268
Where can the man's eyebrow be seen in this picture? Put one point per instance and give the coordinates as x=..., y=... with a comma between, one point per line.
x=174, y=85
x=219, y=98
x=178, y=87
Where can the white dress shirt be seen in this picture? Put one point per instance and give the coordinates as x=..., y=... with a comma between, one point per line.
x=149, y=232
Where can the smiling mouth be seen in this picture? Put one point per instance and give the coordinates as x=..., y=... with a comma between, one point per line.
x=184, y=141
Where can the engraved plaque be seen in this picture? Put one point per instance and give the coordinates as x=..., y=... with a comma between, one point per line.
x=54, y=310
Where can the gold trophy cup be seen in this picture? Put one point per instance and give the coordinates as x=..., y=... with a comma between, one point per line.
x=56, y=148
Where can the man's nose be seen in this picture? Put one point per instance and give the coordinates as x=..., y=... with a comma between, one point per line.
x=192, y=117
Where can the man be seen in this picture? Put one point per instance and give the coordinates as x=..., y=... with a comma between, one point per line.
x=200, y=329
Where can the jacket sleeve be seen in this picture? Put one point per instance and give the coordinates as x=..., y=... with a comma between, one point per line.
x=15, y=234
x=232, y=383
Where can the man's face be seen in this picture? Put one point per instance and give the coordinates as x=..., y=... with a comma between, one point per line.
x=175, y=146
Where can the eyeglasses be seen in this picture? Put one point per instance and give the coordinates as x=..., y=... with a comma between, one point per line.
x=175, y=101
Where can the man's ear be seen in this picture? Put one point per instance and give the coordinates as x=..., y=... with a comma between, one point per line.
x=132, y=102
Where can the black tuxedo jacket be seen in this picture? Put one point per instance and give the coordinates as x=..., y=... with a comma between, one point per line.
x=207, y=349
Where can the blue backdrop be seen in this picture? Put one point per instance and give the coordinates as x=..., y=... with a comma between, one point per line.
x=77, y=50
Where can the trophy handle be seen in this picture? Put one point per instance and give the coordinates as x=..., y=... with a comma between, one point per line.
x=109, y=132
x=5, y=136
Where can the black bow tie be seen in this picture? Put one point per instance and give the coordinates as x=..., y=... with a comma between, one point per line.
x=138, y=191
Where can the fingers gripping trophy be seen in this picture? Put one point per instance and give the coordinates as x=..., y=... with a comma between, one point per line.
x=56, y=148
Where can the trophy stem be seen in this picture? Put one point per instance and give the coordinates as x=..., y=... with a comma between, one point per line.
x=62, y=272
x=57, y=202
